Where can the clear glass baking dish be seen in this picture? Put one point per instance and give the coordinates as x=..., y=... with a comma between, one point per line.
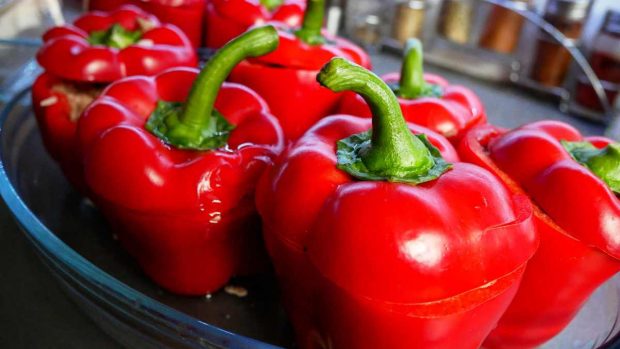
x=78, y=247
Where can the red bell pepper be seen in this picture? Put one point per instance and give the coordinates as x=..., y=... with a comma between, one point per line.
x=425, y=99
x=227, y=19
x=80, y=59
x=188, y=15
x=395, y=247
x=103, y=47
x=286, y=78
x=577, y=216
x=177, y=179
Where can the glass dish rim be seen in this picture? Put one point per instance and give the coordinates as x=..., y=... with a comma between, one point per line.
x=54, y=249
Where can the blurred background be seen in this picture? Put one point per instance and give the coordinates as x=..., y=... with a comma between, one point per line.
x=503, y=41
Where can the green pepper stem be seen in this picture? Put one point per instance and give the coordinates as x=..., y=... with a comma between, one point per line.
x=393, y=149
x=412, y=82
x=310, y=31
x=271, y=4
x=254, y=43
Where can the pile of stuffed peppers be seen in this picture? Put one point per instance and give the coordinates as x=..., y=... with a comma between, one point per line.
x=392, y=213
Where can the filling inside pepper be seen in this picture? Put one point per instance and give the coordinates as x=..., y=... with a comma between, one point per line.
x=78, y=96
x=604, y=163
x=412, y=84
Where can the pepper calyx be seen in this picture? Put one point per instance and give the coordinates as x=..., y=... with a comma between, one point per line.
x=116, y=37
x=350, y=151
x=165, y=120
x=604, y=163
x=429, y=90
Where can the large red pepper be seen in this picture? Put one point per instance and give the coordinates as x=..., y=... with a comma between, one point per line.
x=177, y=179
x=576, y=214
x=188, y=15
x=425, y=99
x=394, y=248
x=286, y=78
x=228, y=18
x=80, y=59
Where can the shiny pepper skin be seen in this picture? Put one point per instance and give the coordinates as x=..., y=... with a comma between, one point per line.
x=374, y=264
x=187, y=217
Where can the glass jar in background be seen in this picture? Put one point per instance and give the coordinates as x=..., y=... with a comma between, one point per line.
x=552, y=60
x=503, y=28
x=367, y=31
x=605, y=61
x=408, y=20
x=605, y=58
x=456, y=20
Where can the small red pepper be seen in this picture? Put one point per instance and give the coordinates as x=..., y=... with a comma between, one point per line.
x=286, y=78
x=227, y=19
x=576, y=214
x=425, y=99
x=80, y=59
x=395, y=247
x=103, y=47
x=187, y=15
x=177, y=179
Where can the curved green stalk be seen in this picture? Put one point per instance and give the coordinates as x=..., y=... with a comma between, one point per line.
x=197, y=125
x=390, y=151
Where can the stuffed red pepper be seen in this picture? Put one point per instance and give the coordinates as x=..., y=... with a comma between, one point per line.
x=425, y=99
x=80, y=59
x=573, y=182
x=286, y=78
x=398, y=245
x=172, y=162
x=187, y=15
x=228, y=18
